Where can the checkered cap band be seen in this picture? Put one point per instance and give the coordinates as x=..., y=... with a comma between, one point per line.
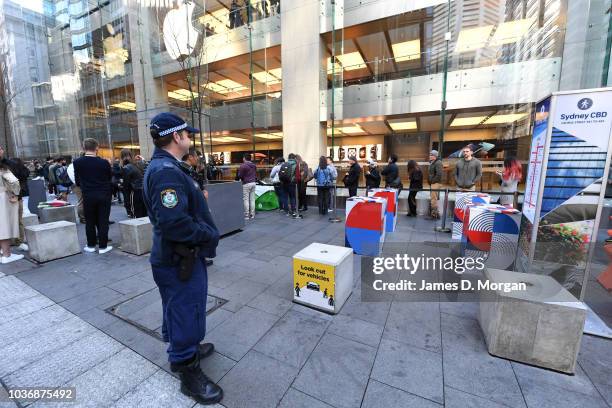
x=172, y=130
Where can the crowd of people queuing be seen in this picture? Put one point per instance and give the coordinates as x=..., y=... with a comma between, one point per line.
x=96, y=184
x=291, y=177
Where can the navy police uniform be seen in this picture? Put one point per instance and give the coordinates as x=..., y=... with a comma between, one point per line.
x=179, y=213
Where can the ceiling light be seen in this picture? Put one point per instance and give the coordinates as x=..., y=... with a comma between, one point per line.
x=403, y=125
x=277, y=72
x=216, y=88
x=226, y=139
x=274, y=95
x=349, y=62
x=182, y=94
x=469, y=121
x=269, y=136
x=266, y=78
x=131, y=106
x=128, y=146
x=473, y=38
x=504, y=118
x=350, y=129
x=511, y=31
x=232, y=86
x=407, y=50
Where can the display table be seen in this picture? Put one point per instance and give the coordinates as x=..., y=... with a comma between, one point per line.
x=226, y=205
x=541, y=325
x=491, y=231
x=323, y=276
x=390, y=194
x=364, y=230
x=462, y=200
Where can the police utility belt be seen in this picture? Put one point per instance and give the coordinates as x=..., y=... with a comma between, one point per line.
x=187, y=256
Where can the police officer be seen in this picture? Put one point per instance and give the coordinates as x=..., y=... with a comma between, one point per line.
x=183, y=235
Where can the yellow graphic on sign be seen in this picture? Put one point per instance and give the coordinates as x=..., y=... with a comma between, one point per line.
x=313, y=283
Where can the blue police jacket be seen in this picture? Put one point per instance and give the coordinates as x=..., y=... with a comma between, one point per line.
x=177, y=209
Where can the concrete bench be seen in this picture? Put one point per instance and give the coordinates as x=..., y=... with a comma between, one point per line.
x=29, y=219
x=541, y=325
x=136, y=235
x=52, y=240
x=423, y=201
x=52, y=214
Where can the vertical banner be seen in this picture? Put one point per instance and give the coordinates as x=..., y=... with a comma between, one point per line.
x=560, y=212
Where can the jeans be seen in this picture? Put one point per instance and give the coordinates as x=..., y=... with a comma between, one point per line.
x=290, y=190
x=248, y=197
x=323, y=199
x=97, y=211
x=282, y=197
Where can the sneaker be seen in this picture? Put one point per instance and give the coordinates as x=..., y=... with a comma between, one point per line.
x=251, y=216
x=11, y=258
x=24, y=247
x=247, y=218
x=104, y=250
x=89, y=249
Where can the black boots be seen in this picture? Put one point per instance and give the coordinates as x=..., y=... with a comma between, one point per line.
x=206, y=349
x=195, y=384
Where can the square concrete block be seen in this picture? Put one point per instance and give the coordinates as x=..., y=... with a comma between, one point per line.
x=52, y=214
x=52, y=240
x=30, y=219
x=541, y=325
x=136, y=235
x=323, y=276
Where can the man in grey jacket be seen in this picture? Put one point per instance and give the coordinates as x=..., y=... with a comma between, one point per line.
x=435, y=180
x=468, y=171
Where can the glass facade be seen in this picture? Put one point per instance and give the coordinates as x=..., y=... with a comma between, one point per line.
x=73, y=69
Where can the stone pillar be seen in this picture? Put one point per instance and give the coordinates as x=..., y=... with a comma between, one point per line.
x=303, y=56
x=150, y=93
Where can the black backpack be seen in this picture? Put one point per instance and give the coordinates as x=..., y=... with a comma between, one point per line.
x=286, y=174
x=61, y=174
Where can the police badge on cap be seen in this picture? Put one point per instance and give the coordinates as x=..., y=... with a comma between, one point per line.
x=167, y=123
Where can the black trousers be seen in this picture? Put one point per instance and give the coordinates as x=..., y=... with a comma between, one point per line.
x=137, y=205
x=412, y=206
x=302, y=199
x=352, y=191
x=323, y=199
x=97, y=211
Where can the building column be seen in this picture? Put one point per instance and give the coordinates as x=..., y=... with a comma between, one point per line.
x=303, y=59
x=151, y=96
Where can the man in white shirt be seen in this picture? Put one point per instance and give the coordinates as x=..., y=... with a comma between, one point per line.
x=77, y=192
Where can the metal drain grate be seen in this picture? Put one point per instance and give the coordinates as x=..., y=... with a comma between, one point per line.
x=144, y=311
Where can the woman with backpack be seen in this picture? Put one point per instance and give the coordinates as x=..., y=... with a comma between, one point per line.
x=416, y=184
x=323, y=177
